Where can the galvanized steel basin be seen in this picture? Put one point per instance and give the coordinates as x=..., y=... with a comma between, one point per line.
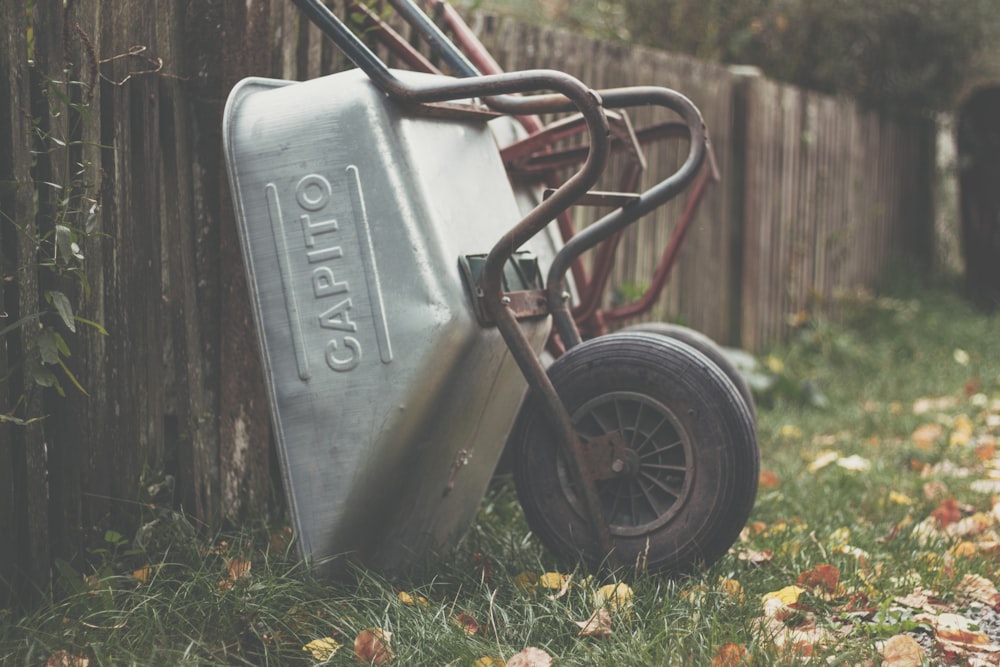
x=390, y=404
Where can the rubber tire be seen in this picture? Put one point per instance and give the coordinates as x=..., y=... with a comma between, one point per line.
x=706, y=346
x=707, y=412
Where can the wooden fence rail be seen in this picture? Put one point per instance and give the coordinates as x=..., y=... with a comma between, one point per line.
x=110, y=139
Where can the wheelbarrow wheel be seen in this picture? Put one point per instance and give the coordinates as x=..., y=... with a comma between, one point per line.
x=706, y=346
x=681, y=429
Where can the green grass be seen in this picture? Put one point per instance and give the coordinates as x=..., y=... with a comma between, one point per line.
x=847, y=388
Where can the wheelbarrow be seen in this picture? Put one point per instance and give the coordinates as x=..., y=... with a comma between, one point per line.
x=534, y=155
x=401, y=313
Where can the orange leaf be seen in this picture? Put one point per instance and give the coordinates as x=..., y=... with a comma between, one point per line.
x=947, y=513
x=768, y=479
x=729, y=655
x=825, y=577
x=371, y=647
x=927, y=435
x=238, y=568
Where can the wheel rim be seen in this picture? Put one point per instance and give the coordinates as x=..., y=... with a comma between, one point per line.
x=660, y=473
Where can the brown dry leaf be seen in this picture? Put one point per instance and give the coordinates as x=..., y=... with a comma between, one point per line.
x=371, y=647
x=980, y=589
x=921, y=598
x=824, y=577
x=279, y=541
x=237, y=570
x=755, y=557
x=958, y=634
x=526, y=581
x=598, y=625
x=530, y=657
x=947, y=513
x=63, y=659
x=901, y=651
x=467, y=623
x=730, y=655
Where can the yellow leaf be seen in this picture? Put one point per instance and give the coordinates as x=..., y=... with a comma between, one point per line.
x=732, y=588
x=790, y=432
x=961, y=432
x=408, y=599
x=616, y=597
x=788, y=595
x=553, y=580
x=144, y=573
x=898, y=498
x=489, y=661
x=322, y=649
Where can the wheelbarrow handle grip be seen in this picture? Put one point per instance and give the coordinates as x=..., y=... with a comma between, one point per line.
x=649, y=200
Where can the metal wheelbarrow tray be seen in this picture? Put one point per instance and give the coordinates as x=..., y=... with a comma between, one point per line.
x=401, y=312
x=354, y=212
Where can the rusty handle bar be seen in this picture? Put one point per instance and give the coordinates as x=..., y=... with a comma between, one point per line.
x=648, y=200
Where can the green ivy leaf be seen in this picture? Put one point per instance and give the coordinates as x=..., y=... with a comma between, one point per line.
x=63, y=307
x=48, y=347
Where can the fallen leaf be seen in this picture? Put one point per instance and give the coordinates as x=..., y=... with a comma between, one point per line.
x=143, y=574
x=957, y=634
x=730, y=655
x=980, y=589
x=854, y=463
x=901, y=651
x=526, y=581
x=961, y=432
x=768, y=479
x=947, y=513
x=923, y=405
x=467, y=623
x=754, y=556
x=410, y=600
x=824, y=577
x=598, y=625
x=617, y=598
x=823, y=460
x=489, y=661
x=787, y=596
x=322, y=649
x=790, y=432
x=371, y=647
x=733, y=589
x=530, y=657
x=280, y=541
x=927, y=435
x=898, y=498
x=238, y=568
x=555, y=581
x=63, y=659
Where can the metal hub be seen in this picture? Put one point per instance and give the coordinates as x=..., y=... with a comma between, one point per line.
x=640, y=459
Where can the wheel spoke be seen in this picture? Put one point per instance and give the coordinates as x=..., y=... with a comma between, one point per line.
x=649, y=499
x=660, y=450
x=664, y=466
x=661, y=484
x=651, y=435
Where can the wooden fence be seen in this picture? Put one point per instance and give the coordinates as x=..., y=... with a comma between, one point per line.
x=110, y=140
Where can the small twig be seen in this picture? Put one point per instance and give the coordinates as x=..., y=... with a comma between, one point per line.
x=134, y=52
